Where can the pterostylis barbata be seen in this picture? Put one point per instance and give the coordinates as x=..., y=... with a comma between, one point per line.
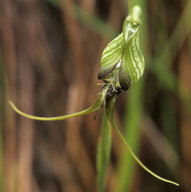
x=122, y=64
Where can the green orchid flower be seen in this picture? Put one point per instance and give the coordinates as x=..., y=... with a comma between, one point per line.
x=122, y=60
x=122, y=64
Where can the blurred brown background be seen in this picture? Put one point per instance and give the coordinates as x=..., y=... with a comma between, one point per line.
x=49, y=58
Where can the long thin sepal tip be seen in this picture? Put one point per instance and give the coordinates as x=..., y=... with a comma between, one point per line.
x=63, y=117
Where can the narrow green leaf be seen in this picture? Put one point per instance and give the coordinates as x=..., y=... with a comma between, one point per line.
x=103, y=152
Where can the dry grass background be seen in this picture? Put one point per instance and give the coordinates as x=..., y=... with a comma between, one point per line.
x=50, y=57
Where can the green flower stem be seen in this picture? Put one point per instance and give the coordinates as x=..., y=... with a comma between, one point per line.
x=130, y=5
x=103, y=152
x=110, y=117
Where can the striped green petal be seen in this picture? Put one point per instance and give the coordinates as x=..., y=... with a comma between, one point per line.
x=111, y=56
x=133, y=64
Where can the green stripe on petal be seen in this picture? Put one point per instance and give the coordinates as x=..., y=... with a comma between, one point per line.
x=133, y=64
x=111, y=56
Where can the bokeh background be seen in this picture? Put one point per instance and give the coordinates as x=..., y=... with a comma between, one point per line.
x=50, y=54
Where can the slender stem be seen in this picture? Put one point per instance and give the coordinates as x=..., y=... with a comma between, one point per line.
x=130, y=6
x=103, y=152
